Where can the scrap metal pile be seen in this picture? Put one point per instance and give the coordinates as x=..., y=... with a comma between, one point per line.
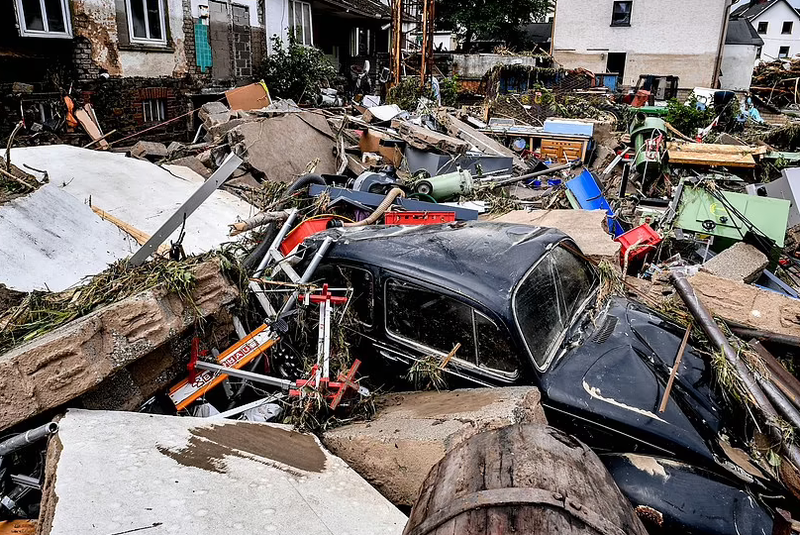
x=630, y=284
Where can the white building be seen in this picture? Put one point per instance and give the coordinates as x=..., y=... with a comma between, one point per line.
x=662, y=37
x=742, y=47
x=777, y=23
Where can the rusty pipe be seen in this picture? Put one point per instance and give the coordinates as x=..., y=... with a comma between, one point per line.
x=750, y=382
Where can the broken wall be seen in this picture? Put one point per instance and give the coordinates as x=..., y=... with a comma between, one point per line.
x=665, y=37
x=104, y=24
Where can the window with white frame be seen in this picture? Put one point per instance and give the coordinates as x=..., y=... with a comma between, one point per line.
x=154, y=110
x=300, y=22
x=360, y=42
x=44, y=18
x=146, y=21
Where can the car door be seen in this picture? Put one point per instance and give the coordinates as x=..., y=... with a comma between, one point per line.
x=425, y=322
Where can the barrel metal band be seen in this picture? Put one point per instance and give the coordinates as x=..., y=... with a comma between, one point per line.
x=516, y=496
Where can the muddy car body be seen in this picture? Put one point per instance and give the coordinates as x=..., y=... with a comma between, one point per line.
x=523, y=304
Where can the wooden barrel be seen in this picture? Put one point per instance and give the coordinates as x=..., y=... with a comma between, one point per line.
x=521, y=479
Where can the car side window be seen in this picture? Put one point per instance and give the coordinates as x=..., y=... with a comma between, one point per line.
x=361, y=284
x=495, y=351
x=439, y=322
x=538, y=310
x=429, y=318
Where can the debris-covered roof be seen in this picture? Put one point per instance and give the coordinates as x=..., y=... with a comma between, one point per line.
x=741, y=32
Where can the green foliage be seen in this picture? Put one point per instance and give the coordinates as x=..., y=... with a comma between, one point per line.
x=497, y=19
x=448, y=89
x=687, y=118
x=407, y=93
x=296, y=72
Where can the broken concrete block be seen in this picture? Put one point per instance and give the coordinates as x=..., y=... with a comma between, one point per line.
x=71, y=360
x=174, y=148
x=194, y=475
x=213, y=114
x=193, y=163
x=586, y=227
x=260, y=144
x=412, y=431
x=748, y=305
x=149, y=150
x=741, y=262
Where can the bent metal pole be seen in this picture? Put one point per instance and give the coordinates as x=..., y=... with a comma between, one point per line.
x=750, y=382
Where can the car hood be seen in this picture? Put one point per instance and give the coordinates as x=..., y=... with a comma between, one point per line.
x=616, y=378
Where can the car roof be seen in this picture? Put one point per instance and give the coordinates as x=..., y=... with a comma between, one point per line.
x=481, y=260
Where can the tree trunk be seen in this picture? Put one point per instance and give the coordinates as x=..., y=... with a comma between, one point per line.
x=530, y=479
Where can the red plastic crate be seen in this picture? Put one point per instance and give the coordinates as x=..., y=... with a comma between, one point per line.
x=303, y=231
x=640, y=237
x=418, y=218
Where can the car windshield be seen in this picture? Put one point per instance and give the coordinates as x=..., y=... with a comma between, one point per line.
x=546, y=301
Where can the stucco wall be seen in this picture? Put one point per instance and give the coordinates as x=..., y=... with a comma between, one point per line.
x=96, y=20
x=774, y=39
x=252, y=6
x=737, y=67
x=668, y=37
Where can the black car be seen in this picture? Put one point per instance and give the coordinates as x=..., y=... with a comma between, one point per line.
x=523, y=303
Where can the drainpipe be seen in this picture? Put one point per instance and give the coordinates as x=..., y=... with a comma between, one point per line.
x=723, y=35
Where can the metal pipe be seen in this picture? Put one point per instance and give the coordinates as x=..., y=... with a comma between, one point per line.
x=244, y=374
x=26, y=481
x=514, y=180
x=23, y=439
x=784, y=406
x=715, y=335
x=287, y=226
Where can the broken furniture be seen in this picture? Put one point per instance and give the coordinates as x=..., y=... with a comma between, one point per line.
x=553, y=146
x=521, y=479
x=198, y=475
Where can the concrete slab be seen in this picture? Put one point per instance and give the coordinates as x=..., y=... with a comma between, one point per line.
x=59, y=366
x=264, y=145
x=45, y=245
x=137, y=192
x=412, y=431
x=740, y=262
x=586, y=227
x=748, y=305
x=120, y=471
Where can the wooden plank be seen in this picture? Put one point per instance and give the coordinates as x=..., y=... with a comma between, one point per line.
x=91, y=127
x=135, y=233
x=712, y=155
x=424, y=139
x=460, y=129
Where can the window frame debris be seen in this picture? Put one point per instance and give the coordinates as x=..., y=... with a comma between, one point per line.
x=154, y=110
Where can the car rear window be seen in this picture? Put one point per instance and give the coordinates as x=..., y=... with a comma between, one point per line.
x=546, y=301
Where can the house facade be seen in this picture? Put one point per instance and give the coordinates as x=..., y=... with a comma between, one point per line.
x=143, y=62
x=635, y=37
x=777, y=22
x=742, y=47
